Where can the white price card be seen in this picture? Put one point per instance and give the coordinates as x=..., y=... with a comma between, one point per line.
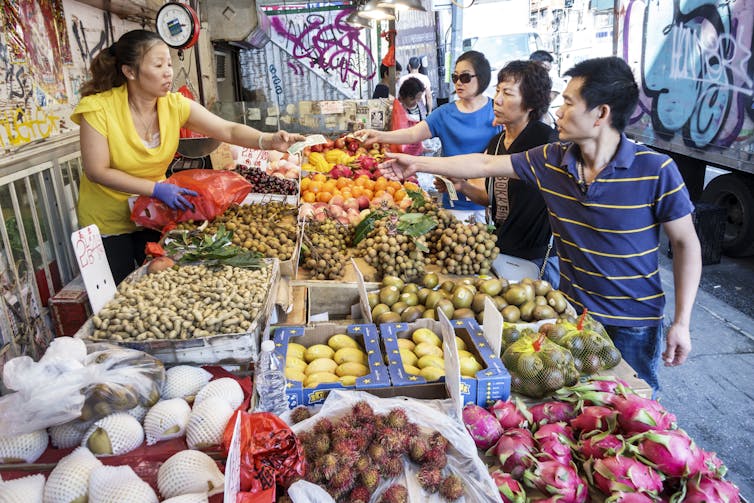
x=233, y=464
x=95, y=270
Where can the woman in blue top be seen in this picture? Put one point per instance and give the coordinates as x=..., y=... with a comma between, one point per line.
x=464, y=126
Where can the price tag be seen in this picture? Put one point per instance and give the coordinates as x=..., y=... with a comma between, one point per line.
x=452, y=194
x=95, y=270
x=314, y=139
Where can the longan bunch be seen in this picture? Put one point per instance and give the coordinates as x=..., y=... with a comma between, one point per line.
x=444, y=219
x=393, y=253
x=466, y=249
x=325, y=248
x=269, y=229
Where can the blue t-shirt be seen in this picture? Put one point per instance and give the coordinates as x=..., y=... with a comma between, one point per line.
x=462, y=133
x=608, y=238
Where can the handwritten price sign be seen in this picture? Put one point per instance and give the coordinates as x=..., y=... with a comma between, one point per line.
x=95, y=271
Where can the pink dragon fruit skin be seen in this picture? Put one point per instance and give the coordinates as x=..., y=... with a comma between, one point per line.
x=551, y=412
x=510, y=489
x=623, y=474
x=557, y=479
x=510, y=414
x=481, y=425
x=595, y=418
x=601, y=445
x=621, y=497
x=713, y=466
x=637, y=414
x=671, y=452
x=554, y=441
x=710, y=490
x=514, y=450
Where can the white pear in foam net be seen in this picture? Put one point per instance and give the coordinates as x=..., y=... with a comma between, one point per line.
x=69, y=480
x=207, y=422
x=139, y=412
x=25, y=448
x=114, y=435
x=118, y=484
x=189, y=472
x=24, y=490
x=188, y=498
x=226, y=388
x=68, y=434
x=184, y=381
x=166, y=419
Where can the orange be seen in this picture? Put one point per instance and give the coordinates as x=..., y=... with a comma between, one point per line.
x=369, y=184
x=346, y=193
x=315, y=186
x=390, y=190
x=324, y=197
x=309, y=197
x=330, y=186
x=395, y=184
x=399, y=195
x=368, y=193
x=361, y=180
x=378, y=193
x=305, y=182
x=342, y=182
x=380, y=184
x=357, y=190
x=319, y=177
x=410, y=186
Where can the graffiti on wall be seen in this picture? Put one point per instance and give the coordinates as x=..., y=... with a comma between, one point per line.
x=324, y=42
x=694, y=58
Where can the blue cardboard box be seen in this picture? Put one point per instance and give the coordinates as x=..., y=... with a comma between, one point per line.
x=365, y=335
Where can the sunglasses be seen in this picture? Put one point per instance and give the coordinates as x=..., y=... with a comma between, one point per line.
x=465, y=78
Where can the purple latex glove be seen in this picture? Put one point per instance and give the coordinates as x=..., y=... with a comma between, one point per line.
x=172, y=195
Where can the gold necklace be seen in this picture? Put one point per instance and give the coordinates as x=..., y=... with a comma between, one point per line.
x=147, y=126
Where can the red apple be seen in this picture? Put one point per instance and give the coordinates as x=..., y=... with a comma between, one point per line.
x=363, y=202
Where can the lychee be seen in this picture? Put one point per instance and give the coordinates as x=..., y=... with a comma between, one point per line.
x=299, y=414
x=430, y=478
x=451, y=487
x=396, y=493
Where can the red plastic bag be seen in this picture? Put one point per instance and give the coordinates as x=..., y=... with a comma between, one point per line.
x=186, y=132
x=389, y=59
x=217, y=191
x=270, y=452
x=399, y=120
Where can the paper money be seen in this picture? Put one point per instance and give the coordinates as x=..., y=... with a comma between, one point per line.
x=314, y=139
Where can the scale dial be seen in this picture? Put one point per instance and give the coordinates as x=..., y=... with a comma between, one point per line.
x=178, y=25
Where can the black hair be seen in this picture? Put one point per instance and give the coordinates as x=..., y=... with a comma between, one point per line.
x=608, y=81
x=481, y=66
x=541, y=56
x=385, y=69
x=414, y=63
x=106, y=68
x=410, y=88
x=533, y=82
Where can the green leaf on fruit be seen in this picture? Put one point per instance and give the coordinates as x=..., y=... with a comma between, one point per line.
x=417, y=198
x=367, y=225
x=415, y=224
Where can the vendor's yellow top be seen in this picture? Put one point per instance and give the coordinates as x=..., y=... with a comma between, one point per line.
x=109, y=114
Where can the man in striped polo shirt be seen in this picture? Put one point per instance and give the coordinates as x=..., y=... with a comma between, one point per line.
x=607, y=198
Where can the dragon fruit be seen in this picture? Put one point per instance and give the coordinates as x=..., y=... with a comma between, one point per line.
x=708, y=490
x=623, y=474
x=637, y=414
x=554, y=441
x=713, y=466
x=511, y=414
x=671, y=452
x=557, y=479
x=510, y=489
x=551, y=412
x=601, y=445
x=514, y=450
x=621, y=497
x=482, y=425
x=596, y=391
x=595, y=418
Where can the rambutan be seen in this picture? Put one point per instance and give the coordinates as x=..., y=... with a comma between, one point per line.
x=324, y=425
x=362, y=411
x=347, y=458
x=377, y=452
x=370, y=478
x=417, y=448
x=430, y=479
x=392, y=466
x=411, y=430
x=393, y=440
x=299, y=414
x=451, y=487
x=437, y=440
x=435, y=458
x=340, y=431
x=320, y=444
x=360, y=494
x=396, y=493
x=342, y=479
x=397, y=418
x=314, y=474
x=362, y=463
x=328, y=465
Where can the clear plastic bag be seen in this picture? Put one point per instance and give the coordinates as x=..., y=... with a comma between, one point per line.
x=60, y=388
x=439, y=415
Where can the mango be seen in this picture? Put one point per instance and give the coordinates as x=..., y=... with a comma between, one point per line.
x=340, y=341
x=294, y=375
x=295, y=363
x=462, y=353
x=318, y=351
x=469, y=366
x=426, y=348
x=410, y=369
x=431, y=361
x=408, y=357
x=351, y=369
x=406, y=344
x=314, y=380
x=295, y=350
x=431, y=373
x=320, y=365
x=426, y=335
x=347, y=380
x=350, y=355
x=460, y=344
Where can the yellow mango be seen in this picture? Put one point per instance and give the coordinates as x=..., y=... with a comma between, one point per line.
x=294, y=375
x=431, y=361
x=406, y=344
x=410, y=369
x=469, y=366
x=425, y=348
x=462, y=353
x=314, y=380
x=408, y=357
x=347, y=380
x=318, y=351
x=351, y=369
x=295, y=350
x=426, y=335
x=350, y=355
x=431, y=373
x=340, y=341
x=460, y=344
x=295, y=363
x=321, y=365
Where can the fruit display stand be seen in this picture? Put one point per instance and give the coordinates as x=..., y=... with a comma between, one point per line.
x=238, y=348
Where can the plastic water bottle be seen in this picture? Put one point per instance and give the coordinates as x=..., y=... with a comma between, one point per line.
x=269, y=380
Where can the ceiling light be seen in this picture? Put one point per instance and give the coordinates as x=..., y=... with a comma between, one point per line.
x=402, y=4
x=355, y=20
x=371, y=10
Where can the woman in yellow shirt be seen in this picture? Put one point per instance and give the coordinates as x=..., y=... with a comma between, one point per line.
x=130, y=124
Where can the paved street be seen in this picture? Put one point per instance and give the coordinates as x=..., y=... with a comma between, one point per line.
x=712, y=394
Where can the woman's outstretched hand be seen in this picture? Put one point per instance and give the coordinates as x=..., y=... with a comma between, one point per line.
x=282, y=140
x=398, y=166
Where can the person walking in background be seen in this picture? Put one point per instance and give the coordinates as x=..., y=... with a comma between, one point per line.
x=382, y=90
x=542, y=57
x=129, y=127
x=464, y=126
x=607, y=198
x=545, y=59
x=409, y=111
x=516, y=208
x=414, y=64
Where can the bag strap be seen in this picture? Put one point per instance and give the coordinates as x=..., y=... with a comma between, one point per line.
x=547, y=256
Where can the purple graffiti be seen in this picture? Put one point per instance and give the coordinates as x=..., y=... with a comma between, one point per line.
x=334, y=47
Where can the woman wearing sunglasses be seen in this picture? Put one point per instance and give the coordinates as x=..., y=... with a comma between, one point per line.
x=464, y=126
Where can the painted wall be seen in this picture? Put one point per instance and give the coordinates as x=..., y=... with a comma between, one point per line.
x=694, y=60
x=45, y=49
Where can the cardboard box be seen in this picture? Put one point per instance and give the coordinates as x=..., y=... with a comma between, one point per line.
x=70, y=308
x=492, y=383
x=330, y=301
x=365, y=335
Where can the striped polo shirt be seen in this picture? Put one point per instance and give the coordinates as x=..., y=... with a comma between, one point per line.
x=608, y=238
